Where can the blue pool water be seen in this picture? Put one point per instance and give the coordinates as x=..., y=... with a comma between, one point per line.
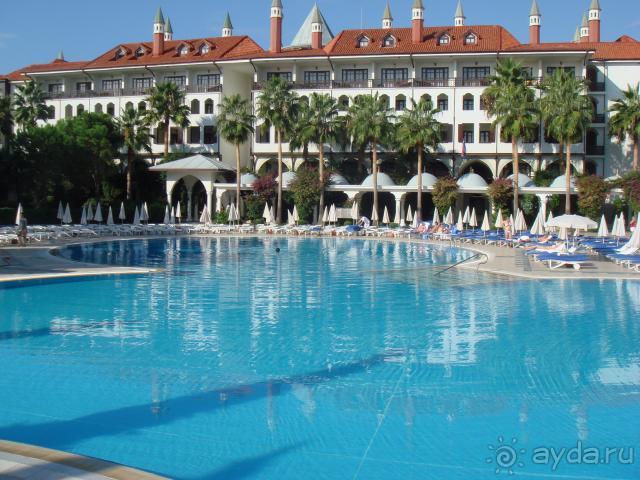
x=334, y=359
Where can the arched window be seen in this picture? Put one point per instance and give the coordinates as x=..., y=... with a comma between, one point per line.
x=468, y=102
x=208, y=106
x=384, y=99
x=183, y=50
x=363, y=41
x=51, y=112
x=111, y=109
x=444, y=39
x=68, y=111
x=98, y=108
x=79, y=109
x=204, y=49
x=427, y=98
x=195, y=106
x=142, y=107
x=389, y=41
x=443, y=102
x=343, y=103
x=470, y=39
x=129, y=106
x=401, y=102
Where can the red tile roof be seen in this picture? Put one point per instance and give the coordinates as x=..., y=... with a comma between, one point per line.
x=219, y=48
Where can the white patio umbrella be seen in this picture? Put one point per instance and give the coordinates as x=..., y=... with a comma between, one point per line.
x=486, y=225
x=83, y=217
x=512, y=222
x=549, y=218
x=89, y=213
x=614, y=228
x=172, y=218
x=634, y=241
x=167, y=215
x=233, y=214
x=296, y=216
x=374, y=215
x=473, y=220
x=460, y=224
x=416, y=222
x=436, y=216
x=467, y=214
x=521, y=223
x=603, y=229
x=333, y=214
x=60, y=214
x=178, y=211
x=273, y=214
x=66, y=218
x=385, y=216
x=204, y=216
x=563, y=233
x=122, y=216
x=136, y=216
x=573, y=221
x=110, y=216
x=290, y=219
x=19, y=214
x=448, y=219
x=538, y=226
x=325, y=214
x=398, y=217
x=266, y=214
x=354, y=211
x=144, y=213
x=409, y=215
x=499, y=219
x=98, y=216
x=622, y=226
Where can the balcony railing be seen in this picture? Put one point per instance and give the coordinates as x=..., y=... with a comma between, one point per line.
x=595, y=149
x=203, y=88
x=126, y=92
x=598, y=118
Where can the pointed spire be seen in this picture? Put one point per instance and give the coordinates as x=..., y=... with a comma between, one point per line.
x=167, y=26
x=535, y=10
x=60, y=56
x=585, y=20
x=159, y=17
x=595, y=5
x=418, y=4
x=387, y=12
x=315, y=16
x=227, y=22
x=459, y=10
x=576, y=36
x=276, y=4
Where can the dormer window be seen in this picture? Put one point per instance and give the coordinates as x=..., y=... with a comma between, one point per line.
x=140, y=52
x=183, y=50
x=120, y=53
x=389, y=41
x=363, y=42
x=204, y=49
x=444, y=39
x=470, y=39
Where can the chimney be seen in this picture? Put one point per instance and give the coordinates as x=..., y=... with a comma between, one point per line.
x=459, y=18
x=535, y=21
x=227, y=26
x=276, y=26
x=594, y=21
x=316, y=28
x=417, y=21
x=584, y=29
x=158, y=34
x=168, y=31
x=387, y=19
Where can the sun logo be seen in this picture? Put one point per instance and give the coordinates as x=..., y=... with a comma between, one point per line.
x=506, y=456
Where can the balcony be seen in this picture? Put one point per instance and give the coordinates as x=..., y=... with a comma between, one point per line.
x=598, y=118
x=595, y=150
x=203, y=88
x=126, y=92
x=313, y=85
x=596, y=86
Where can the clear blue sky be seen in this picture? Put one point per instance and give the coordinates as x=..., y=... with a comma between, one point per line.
x=33, y=31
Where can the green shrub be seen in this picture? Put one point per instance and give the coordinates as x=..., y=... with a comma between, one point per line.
x=592, y=192
x=501, y=193
x=222, y=217
x=445, y=193
x=305, y=189
x=543, y=178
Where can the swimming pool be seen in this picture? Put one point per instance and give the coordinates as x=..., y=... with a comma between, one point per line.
x=334, y=358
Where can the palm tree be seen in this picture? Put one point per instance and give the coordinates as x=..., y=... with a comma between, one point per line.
x=235, y=123
x=625, y=123
x=418, y=129
x=278, y=107
x=300, y=132
x=6, y=117
x=324, y=126
x=166, y=105
x=368, y=123
x=134, y=127
x=29, y=105
x=512, y=103
x=567, y=112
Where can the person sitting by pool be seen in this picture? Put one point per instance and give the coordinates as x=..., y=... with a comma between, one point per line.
x=364, y=222
x=559, y=247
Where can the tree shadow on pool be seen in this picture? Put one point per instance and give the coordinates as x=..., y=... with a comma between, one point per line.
x=63, y=434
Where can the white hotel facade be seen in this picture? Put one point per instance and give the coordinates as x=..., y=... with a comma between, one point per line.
x=450, y=64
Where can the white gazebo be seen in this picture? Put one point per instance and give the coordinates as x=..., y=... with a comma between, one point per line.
x=191, y=170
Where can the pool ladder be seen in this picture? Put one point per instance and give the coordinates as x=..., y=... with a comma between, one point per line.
x=472, y=257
